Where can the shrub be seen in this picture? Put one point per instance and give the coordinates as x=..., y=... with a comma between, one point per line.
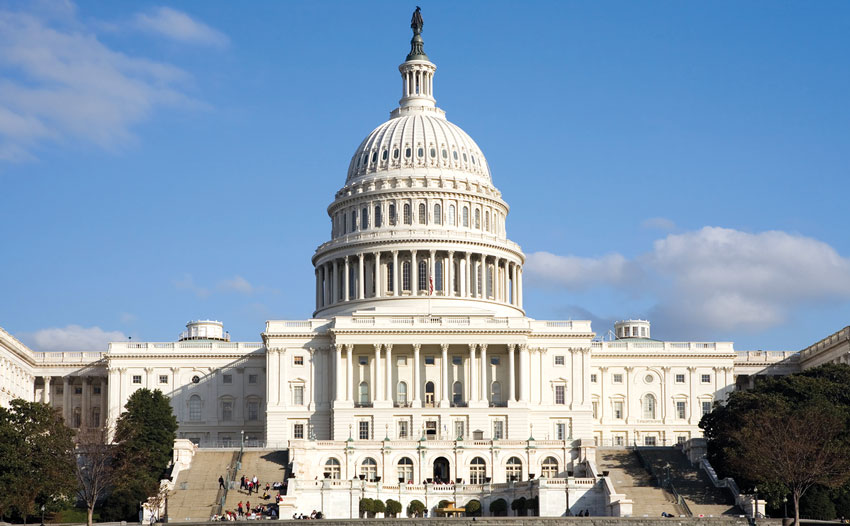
x=499, y=507
x=415, y=509
x=367, y=506
x=378, y=506
x=393, y=507
x=473, y=508
x=519, y=506
x=443, y=504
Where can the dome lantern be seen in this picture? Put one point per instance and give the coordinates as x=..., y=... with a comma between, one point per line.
x=417, y=72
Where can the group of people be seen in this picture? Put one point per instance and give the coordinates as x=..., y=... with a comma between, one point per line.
x=244, y=511
x=314, y=515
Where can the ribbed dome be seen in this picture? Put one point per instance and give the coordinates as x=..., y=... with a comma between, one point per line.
x=418, y=140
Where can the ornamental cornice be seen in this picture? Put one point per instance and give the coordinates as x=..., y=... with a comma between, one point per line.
x=426, y=332
x=603, y=354
x=329, y=250
x=254, y=354
x=418, y=193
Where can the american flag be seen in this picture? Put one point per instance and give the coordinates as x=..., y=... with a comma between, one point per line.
x=430, y=286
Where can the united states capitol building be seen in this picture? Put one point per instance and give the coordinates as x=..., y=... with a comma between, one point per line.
x=420, y=363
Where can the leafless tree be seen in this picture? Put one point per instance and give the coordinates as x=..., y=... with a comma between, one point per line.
x=96, y=468
x=796, y=448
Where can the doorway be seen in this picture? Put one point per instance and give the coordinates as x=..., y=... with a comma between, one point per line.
x=441, y=470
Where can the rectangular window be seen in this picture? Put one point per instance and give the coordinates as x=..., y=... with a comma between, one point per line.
x=429, y=360
x=163, y=379
x=648, y=441
x=401, y=360
x=363, y=430
x=298, y=361
x=705, y=378
x=561, y=431
x=494, y=360
x=680, y=378
x=498, y=430
x=681, y=439
x=363, y=360
x=228, y=378
x=595, y=406
x=618, y=410
x=618, y=378
x=227, y=410
x=680, y=409
x=298, y=395
x=619, y=440
x=61, y=390
x=457, y=360
x=252, y=378
x=137, y=379
x=706, y=408
x=96, y=389
x=559, y=359
x=78, y=389
x=593, y=378
x=559, y=395
x=253, y=411
x=298, y=431
x=390, y=271
x=402, y=429
x=459, y=429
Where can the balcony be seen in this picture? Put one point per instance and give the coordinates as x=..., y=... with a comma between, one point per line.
x=499, y=404
x=362, y=404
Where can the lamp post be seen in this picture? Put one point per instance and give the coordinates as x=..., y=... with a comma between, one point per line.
x=784, y=507
x=756, y=507
x=242, y=438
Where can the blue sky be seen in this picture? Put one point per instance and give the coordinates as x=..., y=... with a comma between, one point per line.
x=682, y=161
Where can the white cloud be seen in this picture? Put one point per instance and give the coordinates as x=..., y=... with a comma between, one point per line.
x=578, y=273
x=658, y=223
x=713, y=278
x=237, y=284
x=177, y=25
x=71, y=338
x=59, y=83
x=187, y=282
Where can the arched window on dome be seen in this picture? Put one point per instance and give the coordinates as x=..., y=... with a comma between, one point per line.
x=438, y=214
x=353, y=220
x=377, y=216
x=451, y=219
x=648, y=407
x=423, y=214
x=478, y=218
x=490, y=281
x=407, y=218
x=384, y=155
x=465, y=217
x=423, y=275
x=405, y=276
x=390, y=280
x=374, y=157
x=438, y=275
x=393, y=218
x=478, y=279
x=454, y=155
x=364, y=218
x=487, y=221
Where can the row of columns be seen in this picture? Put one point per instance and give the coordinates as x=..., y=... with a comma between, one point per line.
x=382, y=388
x=86, y=407
x=385, y=275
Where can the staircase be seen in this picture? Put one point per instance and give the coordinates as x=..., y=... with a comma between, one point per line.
x=195, y=491
x=629, y=477
x=268, y=466
x=702, y=497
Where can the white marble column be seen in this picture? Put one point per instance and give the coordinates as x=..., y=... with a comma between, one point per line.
x=467, y=293
x=45, y=395
x=524, y=374
x=349, y=374
x=519, y=273
x=361, y=272
x=284, y=382
x=346, y=284
x=513, y=285
x=432, y=276
x=450, y=286
x=692, y=373
x=318, y=289
x=85, y=413
x=444, y=375
x=377, y=392
x=149, y=379
x=505, y=292
x=485, y=385
x=414, y=287
x=416, y=401
x=511, y=374
x=339, y=395
x=473, y=375
x=396, y=271
x=378, y=281
x=66, y=400
x=309, y=385
x=389, y=379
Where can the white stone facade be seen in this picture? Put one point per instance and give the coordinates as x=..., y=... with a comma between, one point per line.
x=419, y=362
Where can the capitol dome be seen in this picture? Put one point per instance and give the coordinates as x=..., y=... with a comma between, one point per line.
x=418, y=226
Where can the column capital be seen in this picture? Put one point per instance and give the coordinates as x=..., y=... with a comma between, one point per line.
x=339, y=347
x=666, y=368
x=451, y=253
x=432, y=252
x=394, y=252
x=603, y=368
x=472, y=347
x=511, y=347
x=483, y=347
x=444, y=347
x=417, y=346
x=175, y=369
x=377, y=346
x=388, y=346
x=629, y=368
x=148, y=369
x=691, y=368
x=523, y=347
x=349, y=347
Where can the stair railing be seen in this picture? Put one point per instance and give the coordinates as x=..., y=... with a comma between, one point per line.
x=229, y=479
x=664, y=482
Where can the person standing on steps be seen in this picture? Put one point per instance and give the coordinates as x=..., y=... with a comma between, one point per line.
x=221, y=482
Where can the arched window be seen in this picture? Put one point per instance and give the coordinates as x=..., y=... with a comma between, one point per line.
x=496, y=392
x=390, y=279
x=438, y=214
x=457, y=393
x=393, y=218
x=344, y=223
x=477, y=471
x=423, y=275
x=369, y=469
x=332, y=469
x=226, y=409
x=405, y=470
x=364, y=218
x=489, y=281
x=194, y=408
x=438, y=275
x=451, y=218
x=407, y=218
x=405, y=275
x=423, y=214
x=95, y=417
x=649, y=407
x=353, y=220
x=401, y=393
x=549, y=468
x=429, y=394
x=465, y=216
x=78, y=417
x=479, y=271
x=513, y=469
x=364, y=393
x=377, y=216
x=478, y=218
x=487, y=221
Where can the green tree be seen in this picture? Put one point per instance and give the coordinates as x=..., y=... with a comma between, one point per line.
x=36, y=458
x=378, y=506
x=817, y=504
x=393, y=507
x=519, y=506
x=499, y=507
x=415, y=508
x=366, y=507
x=473, y=508
x=144, y=436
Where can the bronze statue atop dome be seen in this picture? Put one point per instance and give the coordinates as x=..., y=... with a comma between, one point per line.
x=416, y=21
